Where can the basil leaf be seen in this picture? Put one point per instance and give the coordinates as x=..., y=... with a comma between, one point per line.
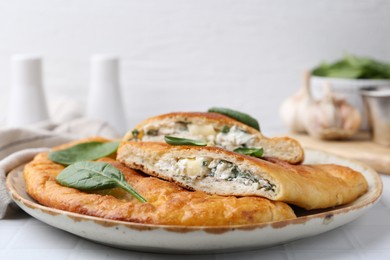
x=83, y=152
x=182, y=141
x=255, y=152
x=87, y=176
x=239, y=116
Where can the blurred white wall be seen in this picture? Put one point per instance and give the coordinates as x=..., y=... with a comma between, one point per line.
x=190, y=55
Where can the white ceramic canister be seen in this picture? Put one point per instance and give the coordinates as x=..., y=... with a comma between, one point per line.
x=26, y=103
x=104, y=98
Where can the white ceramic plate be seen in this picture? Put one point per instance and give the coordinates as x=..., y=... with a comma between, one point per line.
x=179, y=239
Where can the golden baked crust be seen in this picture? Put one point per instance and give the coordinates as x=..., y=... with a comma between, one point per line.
x=307, y=186
x=167, y=203
x=284, y=148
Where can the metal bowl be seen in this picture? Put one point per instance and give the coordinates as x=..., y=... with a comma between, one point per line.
x=376, y=101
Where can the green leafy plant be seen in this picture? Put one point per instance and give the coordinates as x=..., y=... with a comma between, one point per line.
x=89, y=176
x=83, y=152
x=354, y=67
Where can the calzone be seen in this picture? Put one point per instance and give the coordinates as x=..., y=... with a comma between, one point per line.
x=216, y=130
x=218, y=171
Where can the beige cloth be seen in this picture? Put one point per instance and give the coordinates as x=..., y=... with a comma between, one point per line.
x=20, y=145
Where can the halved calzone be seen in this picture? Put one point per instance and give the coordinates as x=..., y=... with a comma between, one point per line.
x=218, y=171
x=216, y=130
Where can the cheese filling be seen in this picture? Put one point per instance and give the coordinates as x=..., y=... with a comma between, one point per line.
x=194, y=169
x=227, y=138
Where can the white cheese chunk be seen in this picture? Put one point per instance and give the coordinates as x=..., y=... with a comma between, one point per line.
x=192, y=167
x=201, y=130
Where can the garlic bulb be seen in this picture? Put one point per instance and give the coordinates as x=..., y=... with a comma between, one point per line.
x=294, y=107
x=331, y=117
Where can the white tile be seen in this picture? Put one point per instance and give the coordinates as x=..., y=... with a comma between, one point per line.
x=377, y=255
x=37, y=254
x=324, y=255
x=332, y=240
x=43, y=237
x=385, y=199
x=6, y=235
x=386, y=202
x=372, y=237
x=14, y=222
x=386, y=182
x=376, y=215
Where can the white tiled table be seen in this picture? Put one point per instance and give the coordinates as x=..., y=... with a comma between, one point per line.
x=368, y=237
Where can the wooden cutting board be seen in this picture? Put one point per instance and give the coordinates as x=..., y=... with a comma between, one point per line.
x=360, y=148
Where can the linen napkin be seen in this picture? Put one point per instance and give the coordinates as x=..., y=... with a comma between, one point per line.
x=20, y=145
